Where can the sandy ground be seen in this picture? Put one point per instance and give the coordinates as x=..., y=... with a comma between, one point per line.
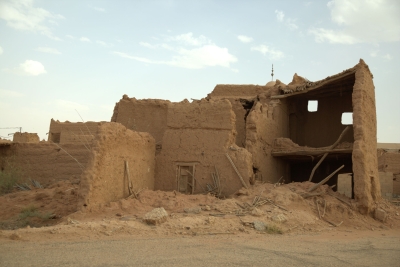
x=323, y=230
x=327, y=249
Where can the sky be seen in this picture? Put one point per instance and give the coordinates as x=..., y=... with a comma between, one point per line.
x=71, y=59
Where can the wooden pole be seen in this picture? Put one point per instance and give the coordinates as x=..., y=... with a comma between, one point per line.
x=326, y=154
x=130, y=187
x=236, y=170
x=325, y=180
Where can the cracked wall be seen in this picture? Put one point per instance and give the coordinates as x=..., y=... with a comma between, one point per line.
x=365, y=163
x=258, y=125
x=105, y=180
x=202, y=133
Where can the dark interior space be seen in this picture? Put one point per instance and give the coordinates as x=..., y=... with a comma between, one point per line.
x=321, y=127
x=247, y=105
x=300, y=169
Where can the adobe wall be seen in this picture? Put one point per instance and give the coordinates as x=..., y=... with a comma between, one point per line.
x=240, y=122
x=45, y=162
x=25, y=137
x=266, y=122
x=389, y=162
x=258, y=124
x=236, y=91
x=104, y=179
x=145, y=115
x=202, y=132
x=365, y=165
x=72, y=132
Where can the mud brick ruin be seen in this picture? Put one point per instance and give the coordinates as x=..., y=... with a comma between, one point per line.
x=221, y=143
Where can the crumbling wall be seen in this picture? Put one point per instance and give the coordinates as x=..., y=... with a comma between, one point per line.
x=72, y=132
x=45, y=162
x=25, y=137
x=365, y=165
x=240, y=114
x=266, y=122
x=145, y=115
x=390, y=162
x=236, y=91
x=201, y=133
x=105, y=178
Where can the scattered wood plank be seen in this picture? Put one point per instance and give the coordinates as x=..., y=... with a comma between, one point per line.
x=307, y=195
x=338, y=198
x=325, y=180
x=130, y=187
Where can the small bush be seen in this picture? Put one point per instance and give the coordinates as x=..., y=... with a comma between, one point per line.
x=11, y=176
x=8, y=180
x=273, y=229
x=29, y=211
x=32, y=211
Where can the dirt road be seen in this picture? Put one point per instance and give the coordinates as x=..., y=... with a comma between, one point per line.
x=217, y=250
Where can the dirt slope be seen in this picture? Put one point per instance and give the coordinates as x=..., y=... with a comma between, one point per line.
x=279, y=207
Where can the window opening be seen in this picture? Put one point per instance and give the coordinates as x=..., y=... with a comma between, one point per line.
x=312, y=105
x=347, y=118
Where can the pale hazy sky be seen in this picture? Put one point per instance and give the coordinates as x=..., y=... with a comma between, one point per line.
x=60, y=56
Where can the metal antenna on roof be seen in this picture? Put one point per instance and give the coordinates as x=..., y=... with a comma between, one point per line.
x=272, y=73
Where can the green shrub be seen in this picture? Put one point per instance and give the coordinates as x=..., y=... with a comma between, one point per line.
x=274, y=229
x=9, y=177
x=29, y=211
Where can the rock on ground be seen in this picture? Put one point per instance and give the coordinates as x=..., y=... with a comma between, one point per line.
x=156, y=216
x=259, y=226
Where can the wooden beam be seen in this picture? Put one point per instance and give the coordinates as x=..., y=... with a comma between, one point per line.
x=310, y=152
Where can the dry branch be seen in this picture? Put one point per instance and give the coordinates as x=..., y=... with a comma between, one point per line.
x=338, y=198
x=236, y=170
x=325, y=180
x=326, y=154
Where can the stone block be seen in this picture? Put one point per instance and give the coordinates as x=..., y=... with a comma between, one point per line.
x=344, y=184
x=380, y=215
x=386, y=181
x=156, y=216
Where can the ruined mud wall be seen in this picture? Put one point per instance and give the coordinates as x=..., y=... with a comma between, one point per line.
x=105, y=179
x=389, y=162
x=200, y=133
x=237, y=91
x=146, y=115
x=266, y=122
x=45, y=162
x=365, y=164
x=72, y=132
x=25, y=137
x=259, y=121
x=240, y=122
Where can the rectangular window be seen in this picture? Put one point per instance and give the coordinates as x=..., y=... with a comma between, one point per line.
x=312, y=105
x=347, y=118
